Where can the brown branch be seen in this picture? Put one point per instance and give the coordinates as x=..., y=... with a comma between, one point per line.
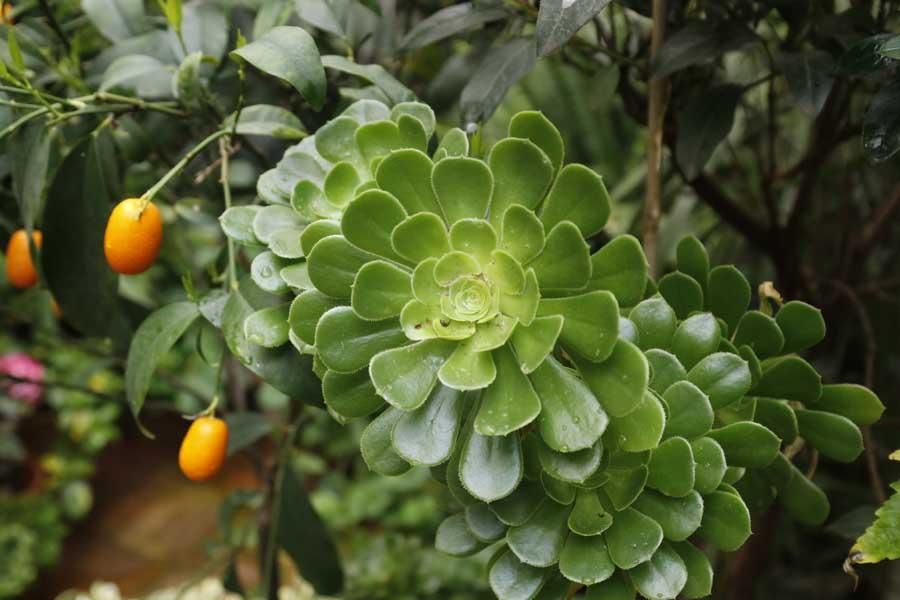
x=711, y=194
x=822, y=140
x=656, y=116
x=865, y=322
x=880, y=220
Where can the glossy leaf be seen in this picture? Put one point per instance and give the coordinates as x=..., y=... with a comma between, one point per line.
x=591, y=325
x=802, y=325
x=333, y=265
x=855, y=402
x=588, y=517
x=522, y=175
x=539, y=541
x=268, y=120
x=509, y=404
x=346, y=343
x=516, y=508
x=571, y=418
x=777, y=416
x=585, y=560
x=624, y=486
x=491, y=467
x=835, y=436
x=678, y=517
x=466, y=369
x=682, y=292
x=450, y=21
x=290, y=54
x=374, y=74
x=655, y=321
x=614, y=588
x=665, y=370
x=420, y=237
x=375, y=444
x=406, y=174
x=726, y=521
x=558, y=21
x=621, y=268
x=789, y=378
x=579, y=196
x=728, y=294
x=693, y=260
x=512, y=579
x=696, y=337
x=427, y=435
x=463, y=187
x=268, y=327
x=504, y=66
x=710, y=468
x=380, y=290
x=483, y=524
x=747, y=444
x=642, y=428
x=152, y=340
x=672, y=468
x=663, y=576
x=533, y=125
x=700, y=571
x=565, y=263
x=533, y=343
x=632, y=539
x=690, y=413
x=72, y=259
x=620, y=381
x=350, y=395
x=454, y=537
x=760, y=332
x=723, y=377
x=406, y=375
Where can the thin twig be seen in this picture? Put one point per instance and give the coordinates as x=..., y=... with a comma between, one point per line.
x=63, y=385
x=656, y=114
x=862, y=314
x=880, y=220
x=209, y=169
x=224, y=154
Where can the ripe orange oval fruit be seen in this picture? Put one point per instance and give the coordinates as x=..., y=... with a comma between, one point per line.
x=132, y=239
x=6, y=17
x=20, y=269
x=203, y=448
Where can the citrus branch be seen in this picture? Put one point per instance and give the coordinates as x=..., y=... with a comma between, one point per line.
x=180, y=165
x=656, y=115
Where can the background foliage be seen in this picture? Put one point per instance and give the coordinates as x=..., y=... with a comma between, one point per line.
x=780, y=136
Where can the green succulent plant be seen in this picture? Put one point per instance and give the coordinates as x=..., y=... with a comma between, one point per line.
x=592, y=424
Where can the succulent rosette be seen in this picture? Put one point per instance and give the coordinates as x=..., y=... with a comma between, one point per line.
x=592, y=424
x=703, y=395
x=457, y=293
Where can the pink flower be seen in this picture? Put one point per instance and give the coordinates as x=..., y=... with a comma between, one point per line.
x=22, y=367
